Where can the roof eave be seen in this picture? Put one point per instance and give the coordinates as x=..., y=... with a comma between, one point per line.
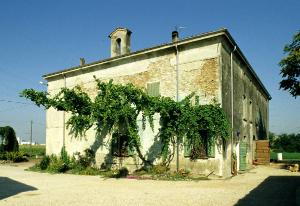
x=139, y=52
x=232, y=41
x=206, y=35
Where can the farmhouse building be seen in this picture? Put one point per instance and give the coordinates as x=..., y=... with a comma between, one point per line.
x=209, y=64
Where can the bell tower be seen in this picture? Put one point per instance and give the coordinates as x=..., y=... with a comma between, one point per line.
x=120, y=42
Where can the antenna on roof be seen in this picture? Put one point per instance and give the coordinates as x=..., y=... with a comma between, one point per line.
x=177, y=28
x=175, y=33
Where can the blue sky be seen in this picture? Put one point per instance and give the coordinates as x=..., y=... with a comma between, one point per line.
x=39, y=37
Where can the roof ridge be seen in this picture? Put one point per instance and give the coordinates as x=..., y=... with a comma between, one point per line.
x=138, y=51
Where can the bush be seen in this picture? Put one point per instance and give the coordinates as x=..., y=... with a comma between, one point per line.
x=45, y=162
x=87, y=159
x=159, y=169
x=85, y=171
x=33, y=150
x=64, y=156
x=64, y=163
x=57, y=165
x=8, y=140
x=123, y=172
x=13, y=156
x=285, y=142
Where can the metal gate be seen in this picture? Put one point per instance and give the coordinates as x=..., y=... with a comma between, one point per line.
x=243, y=156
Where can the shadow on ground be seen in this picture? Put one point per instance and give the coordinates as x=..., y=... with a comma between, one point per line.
x=10, y=187
x=275, y=190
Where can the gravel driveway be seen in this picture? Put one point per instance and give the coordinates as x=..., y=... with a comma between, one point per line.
x=261, y=186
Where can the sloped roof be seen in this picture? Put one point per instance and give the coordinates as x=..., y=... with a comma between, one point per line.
x=201, y=36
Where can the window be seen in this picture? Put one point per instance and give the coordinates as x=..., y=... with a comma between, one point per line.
x=118, y=45
x=201, y=149
x=119, y=146
x=245, y=106
x=153, y=89
x=250, y=111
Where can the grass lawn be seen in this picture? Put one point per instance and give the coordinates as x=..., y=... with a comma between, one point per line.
x=286, y=155
x=33, y=150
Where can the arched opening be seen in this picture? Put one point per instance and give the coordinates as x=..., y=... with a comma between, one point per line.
x=118, y=46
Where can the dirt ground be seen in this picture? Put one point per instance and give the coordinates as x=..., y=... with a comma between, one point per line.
x=263, y=185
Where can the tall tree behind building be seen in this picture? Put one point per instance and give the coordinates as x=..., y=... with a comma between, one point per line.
x=290, y=67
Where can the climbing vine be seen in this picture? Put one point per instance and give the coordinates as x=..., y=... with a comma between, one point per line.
x=116, y=109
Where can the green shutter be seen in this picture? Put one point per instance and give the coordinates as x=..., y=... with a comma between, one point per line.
x=153, y=89
x=187, y=147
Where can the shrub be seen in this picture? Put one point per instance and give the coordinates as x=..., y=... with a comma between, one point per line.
x=13, y=156
x=86, y=171
x=64, y=162
x=159, y=169
x=123, y=172
x=8, y=140
x=87, y=159
x=285, y=142
x=57, y=165
x=45, y=162
x=3, y=156
x=33, y=150
x=64, y=156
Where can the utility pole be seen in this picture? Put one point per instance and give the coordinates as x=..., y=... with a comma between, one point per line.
x=31, y=122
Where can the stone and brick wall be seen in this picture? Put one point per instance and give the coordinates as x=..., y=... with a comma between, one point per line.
x=199, y=71
x=204, y=68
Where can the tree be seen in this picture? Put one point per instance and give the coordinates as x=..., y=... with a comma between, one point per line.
x=8, y=140
x=272, y=138
x=285, y=142
x=290, y=67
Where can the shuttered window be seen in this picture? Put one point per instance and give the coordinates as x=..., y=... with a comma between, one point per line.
x=153, y=89
x=120, y=147
x=203, y=150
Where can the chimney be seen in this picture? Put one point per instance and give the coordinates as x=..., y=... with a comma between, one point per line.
x=175, y=36
x=120, y=42
x=82, y=61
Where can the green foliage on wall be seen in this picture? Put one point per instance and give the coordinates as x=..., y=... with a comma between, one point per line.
x=117, y=108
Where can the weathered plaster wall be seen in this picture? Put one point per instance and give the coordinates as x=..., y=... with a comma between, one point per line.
x=199, y=71
x=250, y=103
x=54, y=121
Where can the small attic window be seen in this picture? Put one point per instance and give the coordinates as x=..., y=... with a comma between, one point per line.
x=118, y=46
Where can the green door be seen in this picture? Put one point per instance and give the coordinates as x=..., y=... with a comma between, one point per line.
x=243, y=156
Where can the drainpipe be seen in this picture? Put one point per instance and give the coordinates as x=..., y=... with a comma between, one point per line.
x=231, y=88
x=177, y=99
x=175, y=38
x=64, y=117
